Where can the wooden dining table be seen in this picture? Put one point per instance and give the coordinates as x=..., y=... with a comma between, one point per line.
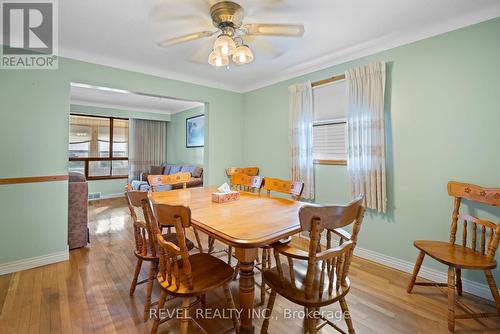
x=248, y=223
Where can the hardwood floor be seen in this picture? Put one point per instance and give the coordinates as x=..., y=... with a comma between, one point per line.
x=89, y=294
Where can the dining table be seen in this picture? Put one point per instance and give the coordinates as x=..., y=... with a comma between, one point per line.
x=252, y=221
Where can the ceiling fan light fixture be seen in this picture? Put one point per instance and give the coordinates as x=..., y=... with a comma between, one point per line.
x=224, y=45
x=218, y=60
x=242, y=55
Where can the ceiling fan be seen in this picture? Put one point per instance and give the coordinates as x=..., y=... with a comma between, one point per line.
x=227, y=17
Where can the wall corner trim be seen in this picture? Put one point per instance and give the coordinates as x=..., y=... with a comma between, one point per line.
x=33, y=262
x=474, y=288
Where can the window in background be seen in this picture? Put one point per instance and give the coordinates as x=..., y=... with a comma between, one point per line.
x=90, y=141
x=329, y=123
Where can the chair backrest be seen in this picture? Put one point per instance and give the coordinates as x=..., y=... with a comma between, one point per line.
x=180, y=217
x=161, y=180
x=293, y=188
x=252, y=171
x=332, y=262
x=478, y=194
x=245, y=182
x=144, y=228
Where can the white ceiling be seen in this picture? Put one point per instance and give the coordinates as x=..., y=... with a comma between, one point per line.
x=87, y=95
x=123, y=33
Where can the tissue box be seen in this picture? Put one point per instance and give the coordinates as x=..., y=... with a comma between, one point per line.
x=225, y=197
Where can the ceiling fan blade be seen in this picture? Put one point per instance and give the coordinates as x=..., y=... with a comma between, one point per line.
x=288, y=30
x=185, y=38
x=201, y=54
x=264, y=46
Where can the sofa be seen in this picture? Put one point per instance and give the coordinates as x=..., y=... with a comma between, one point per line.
x=167, y=169
x=78, y=233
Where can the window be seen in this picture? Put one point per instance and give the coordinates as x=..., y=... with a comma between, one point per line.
x=329, y=124
x=98, y=146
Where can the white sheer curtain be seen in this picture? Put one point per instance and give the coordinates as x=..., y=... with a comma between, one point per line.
x=301, y=118
x=365, y=134
x=148, y=140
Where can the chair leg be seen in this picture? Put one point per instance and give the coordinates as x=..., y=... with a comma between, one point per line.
x=230, y=304
x=198, y=241
x=269, y=311
x=263, y=284
x=458, y=279
x=151, y=276
x=416, y=269
x=493, y=288
x=203, y=300
x=313, y=320
x=451, y=299
x=185, y=315
x=306, y=321
x=236, y=270
x=161, y=304
x=347, y=315
x=136, y=276
x=211, y=242
x=230, y=255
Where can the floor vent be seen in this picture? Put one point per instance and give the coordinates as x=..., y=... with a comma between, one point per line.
x=95, y=196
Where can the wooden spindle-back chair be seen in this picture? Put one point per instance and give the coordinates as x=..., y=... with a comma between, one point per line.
x=184, y=275
x=458, y=255
x=319, y=276
x=145, y=243
x=292, y=188
x=156, y=181
x=244, y=182
x=251, y=171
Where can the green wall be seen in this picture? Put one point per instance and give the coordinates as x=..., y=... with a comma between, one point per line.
x=177, y=152
x=442, y=123
x=34, y=111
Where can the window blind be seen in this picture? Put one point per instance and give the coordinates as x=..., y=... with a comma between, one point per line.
x=329, y=141
x=329, y=126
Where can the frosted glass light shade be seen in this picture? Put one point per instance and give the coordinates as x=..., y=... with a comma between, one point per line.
x=224, y=45
x=218, y=60
x=242, y=55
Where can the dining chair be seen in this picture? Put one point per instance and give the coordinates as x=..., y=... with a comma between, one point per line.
x=186, y=276
x=157, y=182
x=244, y=182
x=146, y=248
x=251, y=171
x=458, y=256
x=293, y=188
x=319, y=276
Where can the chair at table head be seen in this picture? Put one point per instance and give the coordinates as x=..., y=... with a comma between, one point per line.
x=293, y=188
x=250, y=171
x=316, y=277
x=245, y=182
x=158, y=181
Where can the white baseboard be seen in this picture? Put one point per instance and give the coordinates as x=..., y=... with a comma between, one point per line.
x=38, y=261
x=116, y=195
x=107, y=196
x=474, y=288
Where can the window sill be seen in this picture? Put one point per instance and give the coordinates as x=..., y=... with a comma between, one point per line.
x=330, y=162
x=98, y=178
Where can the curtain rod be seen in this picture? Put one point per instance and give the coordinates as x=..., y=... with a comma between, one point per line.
x=329, y=80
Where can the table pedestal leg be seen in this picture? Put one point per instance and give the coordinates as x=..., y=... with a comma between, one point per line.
x=246, y=291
